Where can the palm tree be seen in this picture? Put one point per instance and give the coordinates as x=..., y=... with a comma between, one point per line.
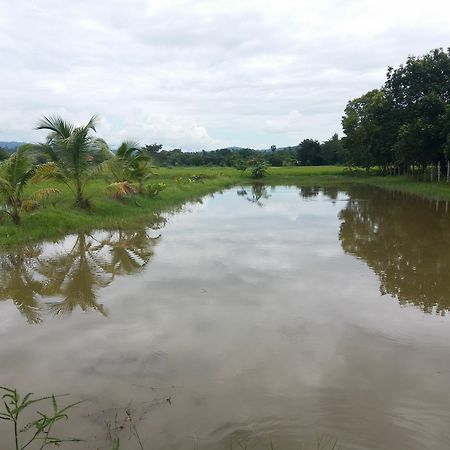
x=131, y=164
x=15, y=173
x=71, y=150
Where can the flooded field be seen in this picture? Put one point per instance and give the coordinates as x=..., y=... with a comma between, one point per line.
x=260, y=316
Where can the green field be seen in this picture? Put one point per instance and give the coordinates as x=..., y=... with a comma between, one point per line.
x=57, y=216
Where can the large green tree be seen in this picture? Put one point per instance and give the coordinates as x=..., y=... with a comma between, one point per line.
x=309, y=153
x=333, y=150
x=407, y=121
x=420, y=93
x=369, y=125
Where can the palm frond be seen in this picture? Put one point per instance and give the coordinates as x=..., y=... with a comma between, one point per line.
x=117, y=167
x=57, y=125
x=45, y=193
x=6, y=190
x=48, y=171
x=17, y=165
x=48, y=150
x=122, y=190
x=92, y=123
x=30, y=205
x=127, y=149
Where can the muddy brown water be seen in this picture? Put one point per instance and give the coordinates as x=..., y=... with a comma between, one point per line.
x=259, y=316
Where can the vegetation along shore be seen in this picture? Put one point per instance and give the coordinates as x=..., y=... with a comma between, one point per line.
x=56, y=215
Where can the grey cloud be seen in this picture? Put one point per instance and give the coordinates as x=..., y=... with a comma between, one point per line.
x=197, y=74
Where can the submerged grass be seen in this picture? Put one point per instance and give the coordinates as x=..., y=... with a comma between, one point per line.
x=39, y=432
x=57, y=216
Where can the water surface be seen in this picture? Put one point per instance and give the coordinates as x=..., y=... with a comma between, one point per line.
x=259, y=314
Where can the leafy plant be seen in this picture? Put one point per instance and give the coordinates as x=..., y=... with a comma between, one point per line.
x=38, y=430
x=15, y=173
x=258, y=168
x=154, y=189
x=130, y=164
x=121, y=190
x=72, y=151
x=196, y=178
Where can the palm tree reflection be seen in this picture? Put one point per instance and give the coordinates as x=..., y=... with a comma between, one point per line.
x=18, y=281
x=258, y=192
x=72, y=277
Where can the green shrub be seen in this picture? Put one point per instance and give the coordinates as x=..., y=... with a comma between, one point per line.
x=154, y=189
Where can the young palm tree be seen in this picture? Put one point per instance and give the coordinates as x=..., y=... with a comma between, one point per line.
x=15, y=173
x=130, y=164
x=71, y=150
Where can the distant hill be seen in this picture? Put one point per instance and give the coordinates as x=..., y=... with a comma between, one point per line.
x=10, y=145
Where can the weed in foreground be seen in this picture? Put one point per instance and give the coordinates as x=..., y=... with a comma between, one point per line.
x=39, y=431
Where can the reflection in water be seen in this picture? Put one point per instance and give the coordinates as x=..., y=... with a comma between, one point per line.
x=18, y=281
x=404, y=240
x=260, y=330
x=258, y=191
x=309, y=191
x=74, y=274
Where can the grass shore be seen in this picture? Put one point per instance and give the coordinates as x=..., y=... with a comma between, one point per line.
x=57, y=216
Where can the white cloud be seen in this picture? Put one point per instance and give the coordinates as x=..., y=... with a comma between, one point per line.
x=198, y=74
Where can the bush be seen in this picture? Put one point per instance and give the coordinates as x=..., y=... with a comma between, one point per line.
x=258, y=169
x=154, y=189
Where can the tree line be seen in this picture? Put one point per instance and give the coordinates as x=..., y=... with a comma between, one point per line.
x=309, y=152
x=403, y=126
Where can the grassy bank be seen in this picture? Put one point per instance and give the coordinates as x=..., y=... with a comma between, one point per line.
x=436, y=191
x=57, y=216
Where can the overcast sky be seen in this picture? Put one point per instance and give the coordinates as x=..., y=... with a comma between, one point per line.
x=204, y=74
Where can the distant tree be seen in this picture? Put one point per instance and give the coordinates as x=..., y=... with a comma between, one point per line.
x=333, y=151
x=309, y=153
x=240, y=165
x=369, y=126
x=153, y=149
x=4, y=154
x=274, y=158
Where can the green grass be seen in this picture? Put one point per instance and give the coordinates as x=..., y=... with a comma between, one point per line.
x=57, y=216
x=438, y=191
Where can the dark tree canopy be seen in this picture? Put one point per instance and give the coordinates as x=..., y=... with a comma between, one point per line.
x=407, y=121
x=309, y=153
x=4, y=154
